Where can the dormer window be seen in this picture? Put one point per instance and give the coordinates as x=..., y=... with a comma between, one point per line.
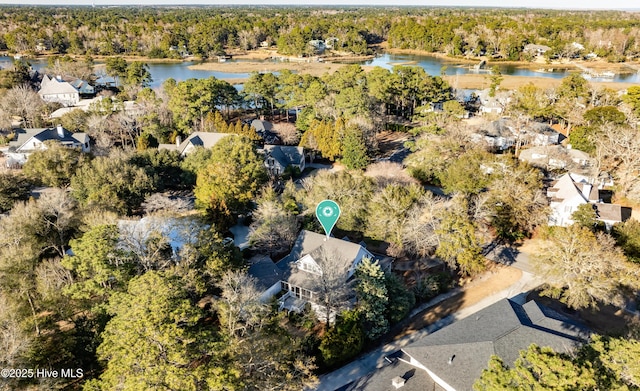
x=308, y=265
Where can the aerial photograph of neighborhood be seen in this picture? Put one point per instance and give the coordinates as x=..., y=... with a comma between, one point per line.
x=319, y=197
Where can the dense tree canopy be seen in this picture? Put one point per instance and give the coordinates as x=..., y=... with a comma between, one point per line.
x=231, y=179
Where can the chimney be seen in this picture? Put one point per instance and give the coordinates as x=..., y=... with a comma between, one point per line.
x=60, y=130
x=178, y=140
x=451, y=359
x=397, y=382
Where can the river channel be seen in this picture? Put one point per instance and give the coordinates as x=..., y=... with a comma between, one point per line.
x=432, y=65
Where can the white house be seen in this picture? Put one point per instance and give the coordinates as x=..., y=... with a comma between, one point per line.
x=552, y=157
x=55, y=90
x=570, y=191
x=30, y=140
x=298, y=273
x=536, y=50
x=566, y=196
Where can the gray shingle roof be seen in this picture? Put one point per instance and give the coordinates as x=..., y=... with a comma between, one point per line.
x=198, y=139
x=317, y=246
x=380, y=380
x=613, y=212
x=265, y=272
x=284, y=155
x=504, y=329
x=45, y=134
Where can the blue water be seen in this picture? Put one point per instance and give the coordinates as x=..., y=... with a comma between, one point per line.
x=432, y=65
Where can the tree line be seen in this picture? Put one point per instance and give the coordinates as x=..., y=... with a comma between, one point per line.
x=210, y=31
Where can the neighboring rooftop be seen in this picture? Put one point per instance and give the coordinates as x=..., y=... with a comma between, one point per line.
x=458, y=353
x=613, y=212
x=44, y=134
x=195, y=139
x=411, y=378
x=284, y=155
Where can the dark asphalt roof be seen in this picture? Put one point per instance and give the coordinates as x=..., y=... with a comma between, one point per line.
x=380, y=380
x=265, y=271
x=284, y=155
x=459, y=352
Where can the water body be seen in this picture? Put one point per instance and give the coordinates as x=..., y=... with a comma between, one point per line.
x=432, y=65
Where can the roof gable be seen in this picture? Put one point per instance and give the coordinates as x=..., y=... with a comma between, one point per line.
x=202, y=139
x=53, y=86
x=47, y=134
x=304, y=263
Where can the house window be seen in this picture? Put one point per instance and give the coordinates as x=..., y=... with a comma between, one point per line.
x=284, y=285
x=311, y=268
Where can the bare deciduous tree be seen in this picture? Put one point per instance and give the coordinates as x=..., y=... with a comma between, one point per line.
x=239, y=306
x=330, y=289
x=583, y=269
x=288, y=133
x=619, y=152
x=419, y=235
x=386, y=173
x=24, y=102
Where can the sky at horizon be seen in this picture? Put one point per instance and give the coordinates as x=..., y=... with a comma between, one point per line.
x=551, y=4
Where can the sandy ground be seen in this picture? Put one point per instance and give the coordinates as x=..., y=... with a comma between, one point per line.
x=499, y=278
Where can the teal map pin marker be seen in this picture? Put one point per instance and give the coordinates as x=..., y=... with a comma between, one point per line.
x=327, y=213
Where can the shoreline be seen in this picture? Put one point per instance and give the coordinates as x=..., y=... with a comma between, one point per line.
x=597, y=65
x=260, y=55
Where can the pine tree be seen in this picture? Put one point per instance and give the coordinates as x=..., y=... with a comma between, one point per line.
x=354, y=151
x=373, y=298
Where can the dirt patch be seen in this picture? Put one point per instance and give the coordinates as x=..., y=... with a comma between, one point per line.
x=498, y=278
x=389, y=142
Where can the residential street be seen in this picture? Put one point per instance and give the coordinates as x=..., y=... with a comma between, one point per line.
x=372, y=360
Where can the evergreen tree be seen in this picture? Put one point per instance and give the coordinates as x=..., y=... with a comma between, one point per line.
x=354, y=151
x=231, y=179
x=373, y=298
x=155, y=340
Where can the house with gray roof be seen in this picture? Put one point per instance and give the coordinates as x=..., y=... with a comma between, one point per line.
x=83, y=87
x=265, y=130
x=58, y=90
x=196, y=139
x=454, y=357
x=297, y=274
x=308, y=260
x=279, y=157
x=30, y=140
